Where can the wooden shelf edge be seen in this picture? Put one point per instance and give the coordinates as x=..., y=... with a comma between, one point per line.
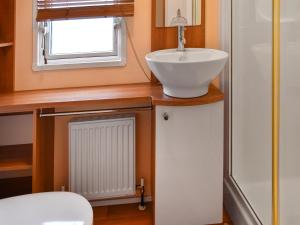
x=25, y=171
x=134, y=94
x=16, y=166
x=159, y=98
x=16, y=158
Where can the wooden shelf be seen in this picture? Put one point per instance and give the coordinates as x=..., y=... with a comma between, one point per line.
x=15, y=186
x=16, y=158
x=6, y=44
x=137, y=94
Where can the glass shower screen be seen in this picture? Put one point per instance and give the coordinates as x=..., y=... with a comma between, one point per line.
x=251, y=102
x=290, y=113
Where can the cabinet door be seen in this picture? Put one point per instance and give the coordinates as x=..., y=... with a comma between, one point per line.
x=189, y=165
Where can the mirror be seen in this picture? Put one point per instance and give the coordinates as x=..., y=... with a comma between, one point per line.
x=166, y=10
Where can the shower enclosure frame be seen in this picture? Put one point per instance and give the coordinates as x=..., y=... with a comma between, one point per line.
x=235, y=201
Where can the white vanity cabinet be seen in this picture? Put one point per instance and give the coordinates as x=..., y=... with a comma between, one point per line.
x=189, y=165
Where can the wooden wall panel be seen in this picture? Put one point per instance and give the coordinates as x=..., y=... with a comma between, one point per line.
x=7, y=20
x=7, y=69
x=7, y=24
x=166, y=37
x=43, y=152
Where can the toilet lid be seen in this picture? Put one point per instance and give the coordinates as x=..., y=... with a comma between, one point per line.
x=53, y=208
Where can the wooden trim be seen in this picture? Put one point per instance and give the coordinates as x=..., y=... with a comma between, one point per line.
x=122, y=10
x=43, y=153
x=7, y=33
x=16, y=113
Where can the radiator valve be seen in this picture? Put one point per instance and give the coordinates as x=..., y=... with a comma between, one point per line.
x=141, y=187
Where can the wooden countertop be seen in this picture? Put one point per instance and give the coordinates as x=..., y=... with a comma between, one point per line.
x=159, y=98
x=145, y=94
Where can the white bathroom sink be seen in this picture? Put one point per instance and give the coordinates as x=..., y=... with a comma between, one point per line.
x=186, y=74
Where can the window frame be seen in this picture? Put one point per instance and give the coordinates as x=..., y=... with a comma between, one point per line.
x=74, y=61
x=51, y=56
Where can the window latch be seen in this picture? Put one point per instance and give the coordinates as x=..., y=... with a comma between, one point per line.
x=117, y=23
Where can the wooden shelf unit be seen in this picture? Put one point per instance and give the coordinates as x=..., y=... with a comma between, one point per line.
x=15, y=158
x=16, y=165
x=15, y=170
x=7, y=38
x=11, y=187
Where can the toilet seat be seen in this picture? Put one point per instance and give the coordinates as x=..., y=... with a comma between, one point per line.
x=51, y=208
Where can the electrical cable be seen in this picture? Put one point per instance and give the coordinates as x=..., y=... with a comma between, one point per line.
x=135, y=52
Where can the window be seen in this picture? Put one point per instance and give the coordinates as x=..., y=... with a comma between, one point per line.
x=79, y=43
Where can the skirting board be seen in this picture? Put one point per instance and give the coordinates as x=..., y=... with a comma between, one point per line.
x=123, y=201
x=237, y=207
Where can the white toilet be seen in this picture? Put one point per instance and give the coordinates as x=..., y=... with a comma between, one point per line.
x=51, y=208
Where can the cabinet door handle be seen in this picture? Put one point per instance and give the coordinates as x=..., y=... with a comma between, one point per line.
x=166, y=116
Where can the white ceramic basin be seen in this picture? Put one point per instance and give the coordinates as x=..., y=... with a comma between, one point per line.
x=186, y=74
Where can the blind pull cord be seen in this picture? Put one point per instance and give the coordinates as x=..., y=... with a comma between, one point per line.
x=43, y=29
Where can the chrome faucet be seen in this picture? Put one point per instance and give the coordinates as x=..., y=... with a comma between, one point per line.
x=180, y=21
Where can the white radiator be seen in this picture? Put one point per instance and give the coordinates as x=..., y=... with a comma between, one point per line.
x=102, y=157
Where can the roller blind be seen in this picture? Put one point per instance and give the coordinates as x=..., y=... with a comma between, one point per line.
x=72, y=9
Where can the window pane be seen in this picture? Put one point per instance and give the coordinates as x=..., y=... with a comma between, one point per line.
x=82, y=36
